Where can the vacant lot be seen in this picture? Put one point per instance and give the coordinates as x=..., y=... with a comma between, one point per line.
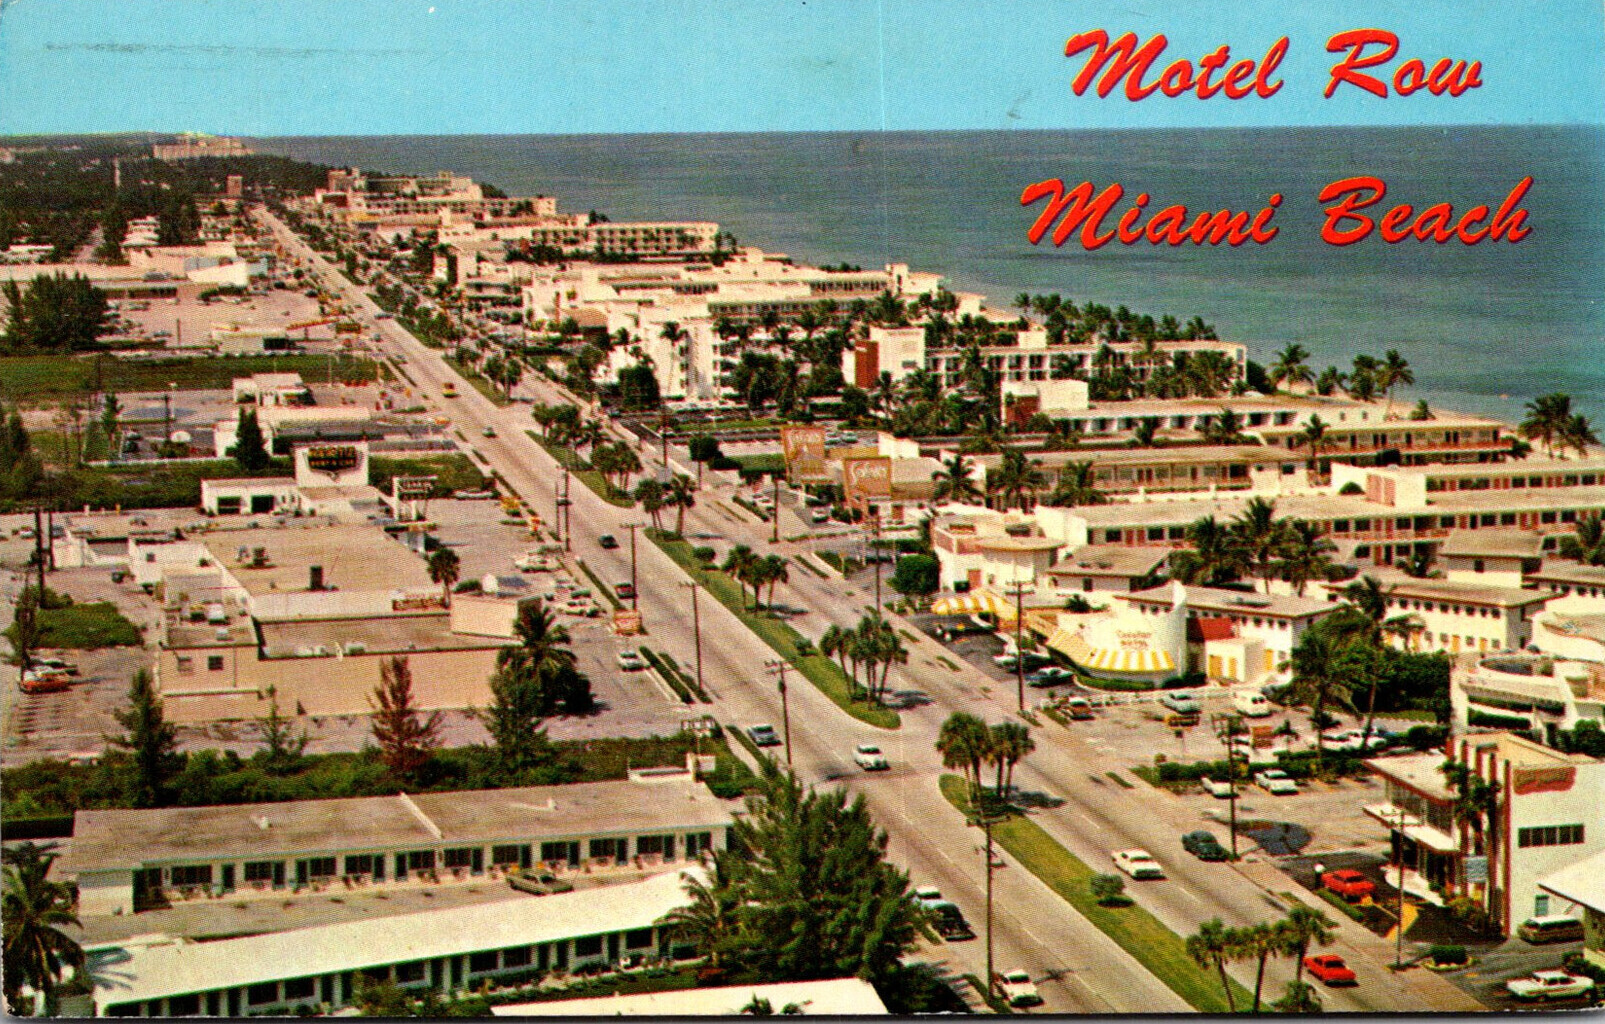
x=40, y=380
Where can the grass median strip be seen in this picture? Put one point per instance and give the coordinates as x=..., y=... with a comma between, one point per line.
x=599, y=485
x=667, y=676
x=1133, y=928
x=818, y=669
x=601, y=588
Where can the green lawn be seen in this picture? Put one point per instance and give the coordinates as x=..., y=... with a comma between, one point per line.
x=479, y=381
x=772, y=462
x=818, y=669
x=602, y=589
x=87, y=626
x=40, y=380
x=454, y=472
x=145, y=485
x=1133, y=928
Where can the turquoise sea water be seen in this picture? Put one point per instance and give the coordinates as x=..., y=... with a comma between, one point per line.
x=1486, y=327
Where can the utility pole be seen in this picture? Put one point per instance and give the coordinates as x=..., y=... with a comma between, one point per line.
x=557, y=513
x=568, y=515
x=778, y=667
x=1019, y=636
x=39, y=548
x=775, y=512
x=167, y=418
x=875, y=523
x=696, y=629
x=635, y=600
x=985, y=817
x=1398, y=941
x=1228, y=727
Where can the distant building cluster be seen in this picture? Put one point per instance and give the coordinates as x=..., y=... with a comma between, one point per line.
x=194, y=146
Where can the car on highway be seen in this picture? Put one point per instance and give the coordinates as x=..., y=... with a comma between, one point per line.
x=869, y=757
x=1203, y=845
x=763, y=735
x=947, y=920
x=1550, y=985
x=1181, y=703
x=1276, y=782
x=1330, y=969
x=928, y=897
x=1348, y=883
x=607, y=542
x=1016, y=988
x=488, y=432
x=1139, y=864
x=630, y=660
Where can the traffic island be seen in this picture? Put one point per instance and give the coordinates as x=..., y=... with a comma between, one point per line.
x=1133, y=928
x=825, y=674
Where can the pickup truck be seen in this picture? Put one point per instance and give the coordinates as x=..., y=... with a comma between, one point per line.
x=1550, y=985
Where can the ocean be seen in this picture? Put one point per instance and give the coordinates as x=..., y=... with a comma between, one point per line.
x=1485, y=327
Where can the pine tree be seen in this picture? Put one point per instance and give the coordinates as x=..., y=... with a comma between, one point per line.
x=250, y=450
x=151, y=739
x=406, y=737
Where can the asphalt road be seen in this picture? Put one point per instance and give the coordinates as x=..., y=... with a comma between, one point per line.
x=1078, y=969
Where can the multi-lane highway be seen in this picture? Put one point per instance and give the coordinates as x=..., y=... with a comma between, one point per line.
x=1079, y=969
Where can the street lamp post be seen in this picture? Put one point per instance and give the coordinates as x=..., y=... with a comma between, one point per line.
x=778, y=667
x=1398, y=941
x=635, y=589
x=696, y=630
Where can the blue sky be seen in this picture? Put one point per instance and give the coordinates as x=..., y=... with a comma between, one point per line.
x=327, y=67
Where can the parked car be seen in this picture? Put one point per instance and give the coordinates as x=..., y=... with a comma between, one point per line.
x=1330, y=969
x=869, y=757
x=1181, y=703
x=1251, y=704
x=1017, y=988
x=1007, y=659
x=1276, y=782
x=1353, y=740
x=1050, y=675
x=764, y=735
x=625, y=590
x=1078, y=708
x=1217, y=788
x=1348, y=883
x=1203, y=845
x=607, y=542
x=948, y=922
x=56, y=665
x=1550, y=985
x=43, y=681
x=630, y=660
x=1139, y=864
x=488, y=432
x=539, y=883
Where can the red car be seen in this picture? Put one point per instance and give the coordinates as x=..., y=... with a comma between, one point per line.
x=1330, y=968
x=1348, y=883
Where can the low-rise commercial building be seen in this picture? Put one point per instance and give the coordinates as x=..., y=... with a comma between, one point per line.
x=125, y=861
x=1546, y=817
x=1579, y=890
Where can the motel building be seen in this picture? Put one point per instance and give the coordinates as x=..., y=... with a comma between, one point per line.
x=1547, y=818
x=1579, y=891
x=128, y=861
x=514, y=940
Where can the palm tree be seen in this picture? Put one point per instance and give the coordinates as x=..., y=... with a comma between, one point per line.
x=833, y=644
x=1077, y=486
x=1145, y=435
x=1212, y=945
x=1214, y=557
x=1547, y=417
x=36, y=910
x=681, y=494
x=953, y=481
x=1313, y=435
x=1261, y=535
x=1290, y=366
x=1331, y=379
x=1317, y=672
x=964, y=742
x=1011, y=743
x=1390, y=373
x=1363, y=381
x=738, y=563
x=649, y=493
x=1578, y=433
x=444, y=569
x=713, y=917
x=543, y=642
x=1476, y=805
x=1305, y=555
x=1306, y=926
x=1015, y=477
x=1224, y=427
x=1260, y=942
x=1587, y=545
x=774, y=574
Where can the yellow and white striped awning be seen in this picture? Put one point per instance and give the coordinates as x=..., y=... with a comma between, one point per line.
x=1110, y=659
x=974, y=604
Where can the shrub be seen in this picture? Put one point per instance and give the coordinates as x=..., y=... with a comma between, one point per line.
x=1425, y=737
x=1450, y=954
x=703, y=554
x=1108, y=890
x=1351, y=488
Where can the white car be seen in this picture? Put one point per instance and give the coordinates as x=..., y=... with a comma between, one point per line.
x=1017, y=988
x=1550, y=985
x=869, y=757
x=1353, y=739
x=631, y=661
x=1218, y=788
x=928, y=896
x=764, y=735
x=1276, y=782
x=1138, y=864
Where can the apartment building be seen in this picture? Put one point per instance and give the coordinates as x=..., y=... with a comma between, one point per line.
x=1550, y=691
x=1454, y=616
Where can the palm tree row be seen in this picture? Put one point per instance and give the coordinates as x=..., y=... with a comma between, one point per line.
x=1551, y=422
x=1370, y=378
x=1093, y=322
x=680, y=493
x=967, y=744
x=750, y=569
x=873, y=645
x=1273, y=548
x=1214, y=946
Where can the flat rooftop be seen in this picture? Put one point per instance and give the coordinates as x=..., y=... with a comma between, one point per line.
x=838, y=997
x=1564, y=570
x=1111, y=560
x=396, y=634
x=1177, y=453
x=121, y=839
x=1497, y=543
x=135, y=970
x=1235, y=602
x=352, y=557
x=1420, y=772
x=1399, y=585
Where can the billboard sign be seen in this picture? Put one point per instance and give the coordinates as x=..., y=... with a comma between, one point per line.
x=867, y=479
x=804, y=450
